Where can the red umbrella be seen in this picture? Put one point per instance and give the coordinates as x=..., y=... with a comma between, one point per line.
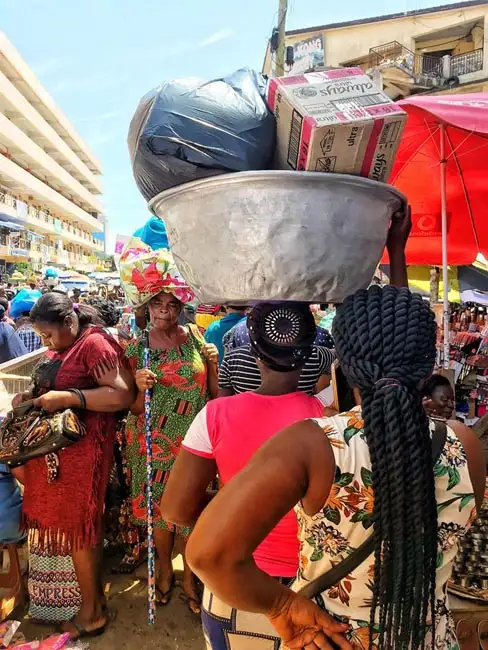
x=453, y=129
x=442, y=166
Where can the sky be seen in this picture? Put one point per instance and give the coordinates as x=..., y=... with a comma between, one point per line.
x=97, y=58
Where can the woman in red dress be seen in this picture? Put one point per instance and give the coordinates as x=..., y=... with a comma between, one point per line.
x=84, y=369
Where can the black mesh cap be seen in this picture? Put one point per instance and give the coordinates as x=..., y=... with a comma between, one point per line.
x=282, y=334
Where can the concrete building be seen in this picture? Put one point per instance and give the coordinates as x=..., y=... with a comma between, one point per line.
x=437, y=50
x=50, y=181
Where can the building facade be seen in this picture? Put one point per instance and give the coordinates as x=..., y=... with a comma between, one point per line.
x=443, y=49
x=50, y=181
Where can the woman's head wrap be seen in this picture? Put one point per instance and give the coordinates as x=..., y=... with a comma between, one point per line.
x=282, y=334
x=146, y=270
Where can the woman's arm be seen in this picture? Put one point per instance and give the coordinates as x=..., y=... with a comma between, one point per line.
x=185, y=495
x=294, y=465
x=476, y=459
x=213, y=379
x=115, y=393
x=401, y=225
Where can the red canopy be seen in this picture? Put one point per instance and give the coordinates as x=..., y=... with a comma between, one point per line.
x=462, y=122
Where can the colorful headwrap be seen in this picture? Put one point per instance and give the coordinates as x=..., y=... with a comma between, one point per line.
x=146, y=271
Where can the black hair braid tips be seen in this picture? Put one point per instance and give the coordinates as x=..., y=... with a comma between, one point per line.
x=389, y=334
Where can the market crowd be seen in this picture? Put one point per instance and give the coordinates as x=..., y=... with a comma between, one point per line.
x=280, y=448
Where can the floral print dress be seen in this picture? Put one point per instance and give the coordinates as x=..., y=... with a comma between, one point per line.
x=179, y=394
x=342, y=526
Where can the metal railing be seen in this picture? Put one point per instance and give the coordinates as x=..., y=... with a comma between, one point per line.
x=466, y=63
x=395, y=53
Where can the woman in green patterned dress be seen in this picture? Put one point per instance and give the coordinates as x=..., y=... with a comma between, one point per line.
x=182, y=376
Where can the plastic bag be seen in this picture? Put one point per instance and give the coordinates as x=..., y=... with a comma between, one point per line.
x=189, y=129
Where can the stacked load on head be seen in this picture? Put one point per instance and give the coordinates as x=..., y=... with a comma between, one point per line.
x=264, y=233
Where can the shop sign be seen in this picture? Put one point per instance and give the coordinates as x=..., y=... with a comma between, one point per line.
x=308, y=54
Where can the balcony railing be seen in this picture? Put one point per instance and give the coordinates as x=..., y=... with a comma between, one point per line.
x=424, y=65
x=466, y=63
x=8, y=199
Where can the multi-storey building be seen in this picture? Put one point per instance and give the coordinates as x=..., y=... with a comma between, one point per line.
x=50, y=181
x=437, y=50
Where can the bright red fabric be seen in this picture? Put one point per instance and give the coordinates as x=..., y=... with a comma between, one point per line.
x=69, y=510
x=417, y=174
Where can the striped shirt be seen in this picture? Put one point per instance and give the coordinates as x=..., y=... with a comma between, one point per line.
x=29, y=338
x=239, y=370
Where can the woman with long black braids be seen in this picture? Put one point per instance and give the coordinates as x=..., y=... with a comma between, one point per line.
x=368, y=471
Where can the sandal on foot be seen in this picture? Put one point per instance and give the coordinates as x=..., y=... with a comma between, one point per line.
x=83, y=633
x=193, y=603
x=163, y=598
x=483, y=634
x=466, y=635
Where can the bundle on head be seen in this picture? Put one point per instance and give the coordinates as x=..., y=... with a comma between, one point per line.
x=385, y=342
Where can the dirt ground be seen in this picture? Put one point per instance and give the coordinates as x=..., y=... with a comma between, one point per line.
x=175, y=629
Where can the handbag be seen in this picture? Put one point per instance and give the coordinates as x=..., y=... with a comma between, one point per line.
x=28, y=432
x=358, y=556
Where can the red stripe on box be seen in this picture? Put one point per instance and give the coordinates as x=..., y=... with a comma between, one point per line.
x=344, y=72
x=272, y=89
x=293, y=81
x=371, y=148
x=308, y=124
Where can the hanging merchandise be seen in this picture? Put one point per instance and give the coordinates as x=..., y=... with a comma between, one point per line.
x=189, y=129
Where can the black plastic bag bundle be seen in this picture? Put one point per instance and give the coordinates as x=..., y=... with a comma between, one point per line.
x=190, y=129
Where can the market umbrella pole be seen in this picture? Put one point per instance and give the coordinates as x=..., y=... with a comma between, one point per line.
x=445, y=272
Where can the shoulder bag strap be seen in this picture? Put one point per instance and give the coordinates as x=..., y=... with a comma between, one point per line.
x=359, y=555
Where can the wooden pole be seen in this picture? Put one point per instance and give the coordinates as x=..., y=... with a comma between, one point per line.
x=281, y=49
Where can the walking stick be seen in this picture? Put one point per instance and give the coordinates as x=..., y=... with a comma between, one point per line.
x=151, y=577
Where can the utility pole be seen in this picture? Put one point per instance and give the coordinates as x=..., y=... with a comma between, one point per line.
x=280, y=52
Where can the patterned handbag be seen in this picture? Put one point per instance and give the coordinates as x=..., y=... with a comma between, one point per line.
x=28, y=432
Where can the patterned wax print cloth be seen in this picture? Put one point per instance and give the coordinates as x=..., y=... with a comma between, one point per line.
x=343, y=524
x=145, y=272
x=179, y=394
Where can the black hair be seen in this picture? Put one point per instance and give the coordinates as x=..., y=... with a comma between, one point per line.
x=108, y=312
x=433, y=382
x=54, y=307
x=237, y=307
x=4, y=303
x=385, y=342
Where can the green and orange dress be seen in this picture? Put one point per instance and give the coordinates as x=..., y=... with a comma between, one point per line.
x=179, y=394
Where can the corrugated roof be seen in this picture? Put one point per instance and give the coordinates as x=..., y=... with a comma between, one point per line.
x=377, y=19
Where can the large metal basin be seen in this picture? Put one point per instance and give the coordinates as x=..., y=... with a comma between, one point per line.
x=277, y=235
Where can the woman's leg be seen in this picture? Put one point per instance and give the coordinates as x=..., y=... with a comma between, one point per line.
x=164, y=541
x=87, y=567
x=190, y=585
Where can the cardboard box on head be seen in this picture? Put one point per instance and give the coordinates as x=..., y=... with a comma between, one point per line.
x=335, y=121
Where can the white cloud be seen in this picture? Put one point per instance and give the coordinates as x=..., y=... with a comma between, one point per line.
x=96, y=81
x=101, y=117
x=48, y=66
x=217, y=37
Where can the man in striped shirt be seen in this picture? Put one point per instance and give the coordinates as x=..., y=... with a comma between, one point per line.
x=239, y=371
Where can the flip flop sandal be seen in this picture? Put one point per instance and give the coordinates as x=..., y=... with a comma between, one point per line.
x=191, y=600
x=483, y=634
x=161, y=595
x=83, y=633
x=466, y=635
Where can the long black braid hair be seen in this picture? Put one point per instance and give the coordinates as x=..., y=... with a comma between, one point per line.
x=385, y=342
